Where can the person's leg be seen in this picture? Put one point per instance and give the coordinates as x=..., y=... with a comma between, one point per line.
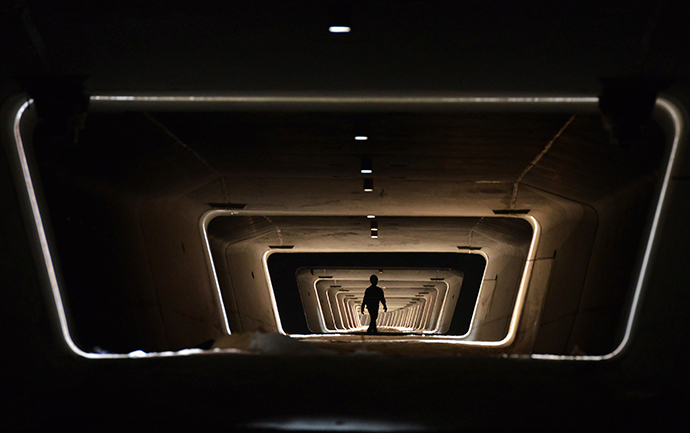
x=374, y=312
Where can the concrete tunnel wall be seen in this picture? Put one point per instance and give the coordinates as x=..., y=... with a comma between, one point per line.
x=582, y=272
x=506, y=259
x=187, y=298
x=133, y=252
x=560, y=263
x=244, y=286
x=592, y=272
x=610, y=277
x=164, y=300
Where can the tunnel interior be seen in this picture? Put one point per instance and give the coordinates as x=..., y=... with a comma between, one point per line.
x=173, y=228
x=439, y=265
x=417, y=300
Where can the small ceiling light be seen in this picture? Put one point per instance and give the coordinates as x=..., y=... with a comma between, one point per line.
x=339, y=17
x=371, y=217
x=374, y=234
x=367, y=166
x=339, y=29
x=361, y=137
x=368, y=185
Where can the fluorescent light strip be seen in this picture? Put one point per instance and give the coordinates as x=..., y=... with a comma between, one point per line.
x=330, y=309
x=591, y=102
x=203, y=222
x=40, y=230
x=339, y=29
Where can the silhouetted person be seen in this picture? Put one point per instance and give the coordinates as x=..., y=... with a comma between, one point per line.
x=372, y=296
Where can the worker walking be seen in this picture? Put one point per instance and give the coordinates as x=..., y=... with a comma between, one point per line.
x=372, y=296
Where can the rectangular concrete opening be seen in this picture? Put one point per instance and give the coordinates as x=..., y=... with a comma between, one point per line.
x=265, y=286
x=127, y=207
x=328, y=299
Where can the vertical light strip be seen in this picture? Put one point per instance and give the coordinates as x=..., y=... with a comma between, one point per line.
x=678, y=127
x=524, y=281
x=439, y=320
x=46, y=254
x=677, y=119
x=43, y=239
x=330, y=310
x=204, y=222
x=267, y=274
x=338, y=323
x=47, y=257
x=40, y=230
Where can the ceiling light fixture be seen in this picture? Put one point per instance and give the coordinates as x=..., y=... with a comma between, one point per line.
x=368, y=185
x=361, y=137
x=339, y=17
x=339, y=29
x=367, y=166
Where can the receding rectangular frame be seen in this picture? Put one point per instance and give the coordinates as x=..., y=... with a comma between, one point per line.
x=517, y=309
x=320, y=314
x=19, y=119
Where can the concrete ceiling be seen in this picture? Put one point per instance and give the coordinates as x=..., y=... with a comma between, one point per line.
x=395, y=46
x=424, y=164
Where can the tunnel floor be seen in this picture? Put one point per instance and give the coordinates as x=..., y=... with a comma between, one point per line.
x=395, y=345
x=382, y=344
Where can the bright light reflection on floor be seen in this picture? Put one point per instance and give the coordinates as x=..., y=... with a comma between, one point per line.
x=326, y=424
